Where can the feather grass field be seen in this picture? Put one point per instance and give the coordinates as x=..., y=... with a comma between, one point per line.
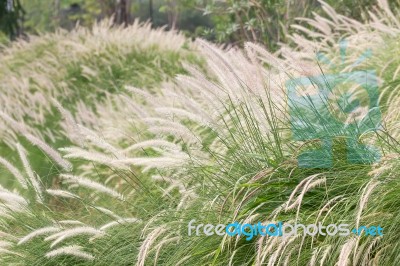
x=105, y=159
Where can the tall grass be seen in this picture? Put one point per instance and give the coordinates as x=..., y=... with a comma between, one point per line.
x=214, y=145
x=77, y=69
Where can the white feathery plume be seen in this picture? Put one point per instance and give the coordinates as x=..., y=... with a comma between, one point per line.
x=13, y=199
x=175, y=127
x=145, y=247
x=73, y=222
x=153, y=143
x=99, y=142
x=181, y=262
x=17, y=126
x=345, y=252
x=75, y=152
x=163, y=242
x=274, y=258
x=325, y=254
x=145, y=94
x=137, y=109
x=14, y=171
x=328, y=206
x=47, y=132
x=76, y=231
x=186, y=101
x=6, y=251
x=384, y=5
x=5, y=212
x=4, y=235
x=38, y=232
x=84, y=182
x=178, y=132
x=308, y=186
x=73, y=130
x=118, y=222
x=304, y=184
x=314, y=256
x=25, y=162
x=62, y=193
x=367, y=253
x=364, y=198
x=107, y=211
x=171, y=112
x=37, y=187
x=32, y=176
x=5, y=244
x=174, y=184
x=266, y=249
x=67, y=166
x=168, y=160
x=288, y=256
x=73, y=250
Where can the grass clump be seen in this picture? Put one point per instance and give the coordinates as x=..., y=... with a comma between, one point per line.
x=217, y=146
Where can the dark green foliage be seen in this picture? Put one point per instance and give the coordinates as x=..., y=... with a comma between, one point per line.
x=11, y=13
x=267, y=21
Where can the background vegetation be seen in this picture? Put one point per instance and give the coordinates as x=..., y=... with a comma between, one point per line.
x=116, y=133
x=227, y=21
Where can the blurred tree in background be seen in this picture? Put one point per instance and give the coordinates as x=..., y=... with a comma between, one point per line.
x=222, y=21
x=45, y=16
x=11, y=14
x=267, y=20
